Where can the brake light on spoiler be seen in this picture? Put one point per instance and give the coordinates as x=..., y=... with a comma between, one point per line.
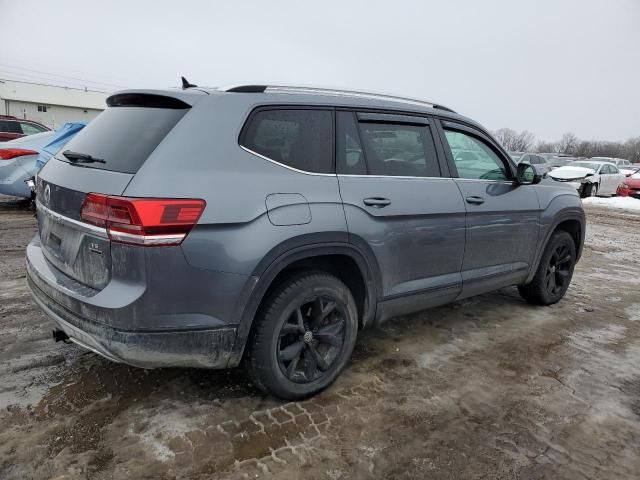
x=142, y=221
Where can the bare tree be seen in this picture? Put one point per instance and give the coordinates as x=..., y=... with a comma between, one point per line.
x=546, y=147
x=514, y=141
x=567, y=144
x=570, y=144
x=632, y=149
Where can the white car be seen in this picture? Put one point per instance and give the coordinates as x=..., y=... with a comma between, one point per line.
x=590, y=177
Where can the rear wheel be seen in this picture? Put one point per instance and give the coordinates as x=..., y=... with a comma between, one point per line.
x=304, y=336
x=554, y=273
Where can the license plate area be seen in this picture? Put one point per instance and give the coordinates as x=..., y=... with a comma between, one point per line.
x=80, y=251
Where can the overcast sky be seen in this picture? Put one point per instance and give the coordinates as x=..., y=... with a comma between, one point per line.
x=548, y=66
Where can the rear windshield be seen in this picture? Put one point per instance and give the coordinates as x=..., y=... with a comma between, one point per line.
x=124, y=136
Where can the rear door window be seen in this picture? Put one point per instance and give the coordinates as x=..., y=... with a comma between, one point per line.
x=125, y=136
x=298, y=138
x=10, y=126
x=31, y=129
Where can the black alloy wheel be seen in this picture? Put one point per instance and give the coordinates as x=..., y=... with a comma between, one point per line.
x=558, y=269
x=311, y=339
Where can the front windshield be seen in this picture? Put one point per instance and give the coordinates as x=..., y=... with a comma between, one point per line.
x=558, y=162
x=592, y=166
x=515, y=156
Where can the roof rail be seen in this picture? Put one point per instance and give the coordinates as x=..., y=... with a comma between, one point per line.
x=331, y=91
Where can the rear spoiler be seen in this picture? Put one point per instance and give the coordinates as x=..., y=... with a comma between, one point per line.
x=177, y=99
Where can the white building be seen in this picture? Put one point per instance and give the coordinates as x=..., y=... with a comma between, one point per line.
x=48, y=104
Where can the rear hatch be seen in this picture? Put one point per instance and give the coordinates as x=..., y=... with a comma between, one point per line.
x=102, y=159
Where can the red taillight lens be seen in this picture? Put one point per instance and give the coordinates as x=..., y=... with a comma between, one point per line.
x=142, y=221
x=9, y=153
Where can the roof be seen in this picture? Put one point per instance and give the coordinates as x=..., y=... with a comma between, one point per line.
x=52, y=95
x=266, y=95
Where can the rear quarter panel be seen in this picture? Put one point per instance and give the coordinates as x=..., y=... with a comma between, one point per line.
x=201, y=158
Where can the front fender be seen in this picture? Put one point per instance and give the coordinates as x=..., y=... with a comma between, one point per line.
x=557, y=208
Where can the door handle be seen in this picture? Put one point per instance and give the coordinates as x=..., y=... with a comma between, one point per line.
x=475, y=200
x=377, y=202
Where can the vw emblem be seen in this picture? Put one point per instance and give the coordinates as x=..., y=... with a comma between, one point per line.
x=47, y=195
x=308, y=337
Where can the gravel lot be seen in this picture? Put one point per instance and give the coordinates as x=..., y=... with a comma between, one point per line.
x=485, y=388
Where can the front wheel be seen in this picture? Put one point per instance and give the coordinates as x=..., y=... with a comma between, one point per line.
x=590, y=190
x=304, y=336
x=554, y=273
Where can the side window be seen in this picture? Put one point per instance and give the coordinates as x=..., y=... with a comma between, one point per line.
x=10, y=126
x=395, y=149
x=301, y=139
x=30, y=129
x=349, y=153
x=474, y=158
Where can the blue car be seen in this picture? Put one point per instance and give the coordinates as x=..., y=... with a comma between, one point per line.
x=21, y=158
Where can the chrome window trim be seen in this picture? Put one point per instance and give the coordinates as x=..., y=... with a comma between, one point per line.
x=510, y=182
x=85, y=227
x=248, y=150
x=392, y=176
x=283, y=165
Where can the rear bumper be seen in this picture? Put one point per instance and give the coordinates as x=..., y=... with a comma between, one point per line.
x=191, y=348
x=12, y=181
x=180, y=346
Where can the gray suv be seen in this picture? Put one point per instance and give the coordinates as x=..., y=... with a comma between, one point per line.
x=265, y=226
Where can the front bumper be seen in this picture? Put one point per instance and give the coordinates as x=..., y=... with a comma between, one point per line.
x=628, y=192
x=200, y=348
x=577, y=185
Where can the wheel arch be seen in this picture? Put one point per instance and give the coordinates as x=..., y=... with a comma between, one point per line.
x=355, y=267
x=573, y=222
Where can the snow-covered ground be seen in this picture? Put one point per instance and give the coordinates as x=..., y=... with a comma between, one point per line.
x=626, y=203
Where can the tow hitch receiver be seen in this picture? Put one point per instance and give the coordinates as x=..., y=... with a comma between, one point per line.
x=59, y=335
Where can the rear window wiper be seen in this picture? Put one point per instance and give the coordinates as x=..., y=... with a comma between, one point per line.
x=77, y=157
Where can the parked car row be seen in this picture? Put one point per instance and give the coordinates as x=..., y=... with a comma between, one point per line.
x=13, y=127
x=21, y=158
x=590, y=177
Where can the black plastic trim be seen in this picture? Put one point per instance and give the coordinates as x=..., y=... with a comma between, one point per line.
x=146, y=100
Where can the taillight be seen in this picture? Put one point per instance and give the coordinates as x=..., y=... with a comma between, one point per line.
x=142, y=221
x=9, y=153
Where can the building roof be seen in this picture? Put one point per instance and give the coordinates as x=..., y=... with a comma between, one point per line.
x=52, y=95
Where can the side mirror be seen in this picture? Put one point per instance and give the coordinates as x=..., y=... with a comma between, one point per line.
x=527, y=174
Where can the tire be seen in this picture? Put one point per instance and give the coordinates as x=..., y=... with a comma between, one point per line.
x=552, y=279
x=308, y=319
x=590, y=190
